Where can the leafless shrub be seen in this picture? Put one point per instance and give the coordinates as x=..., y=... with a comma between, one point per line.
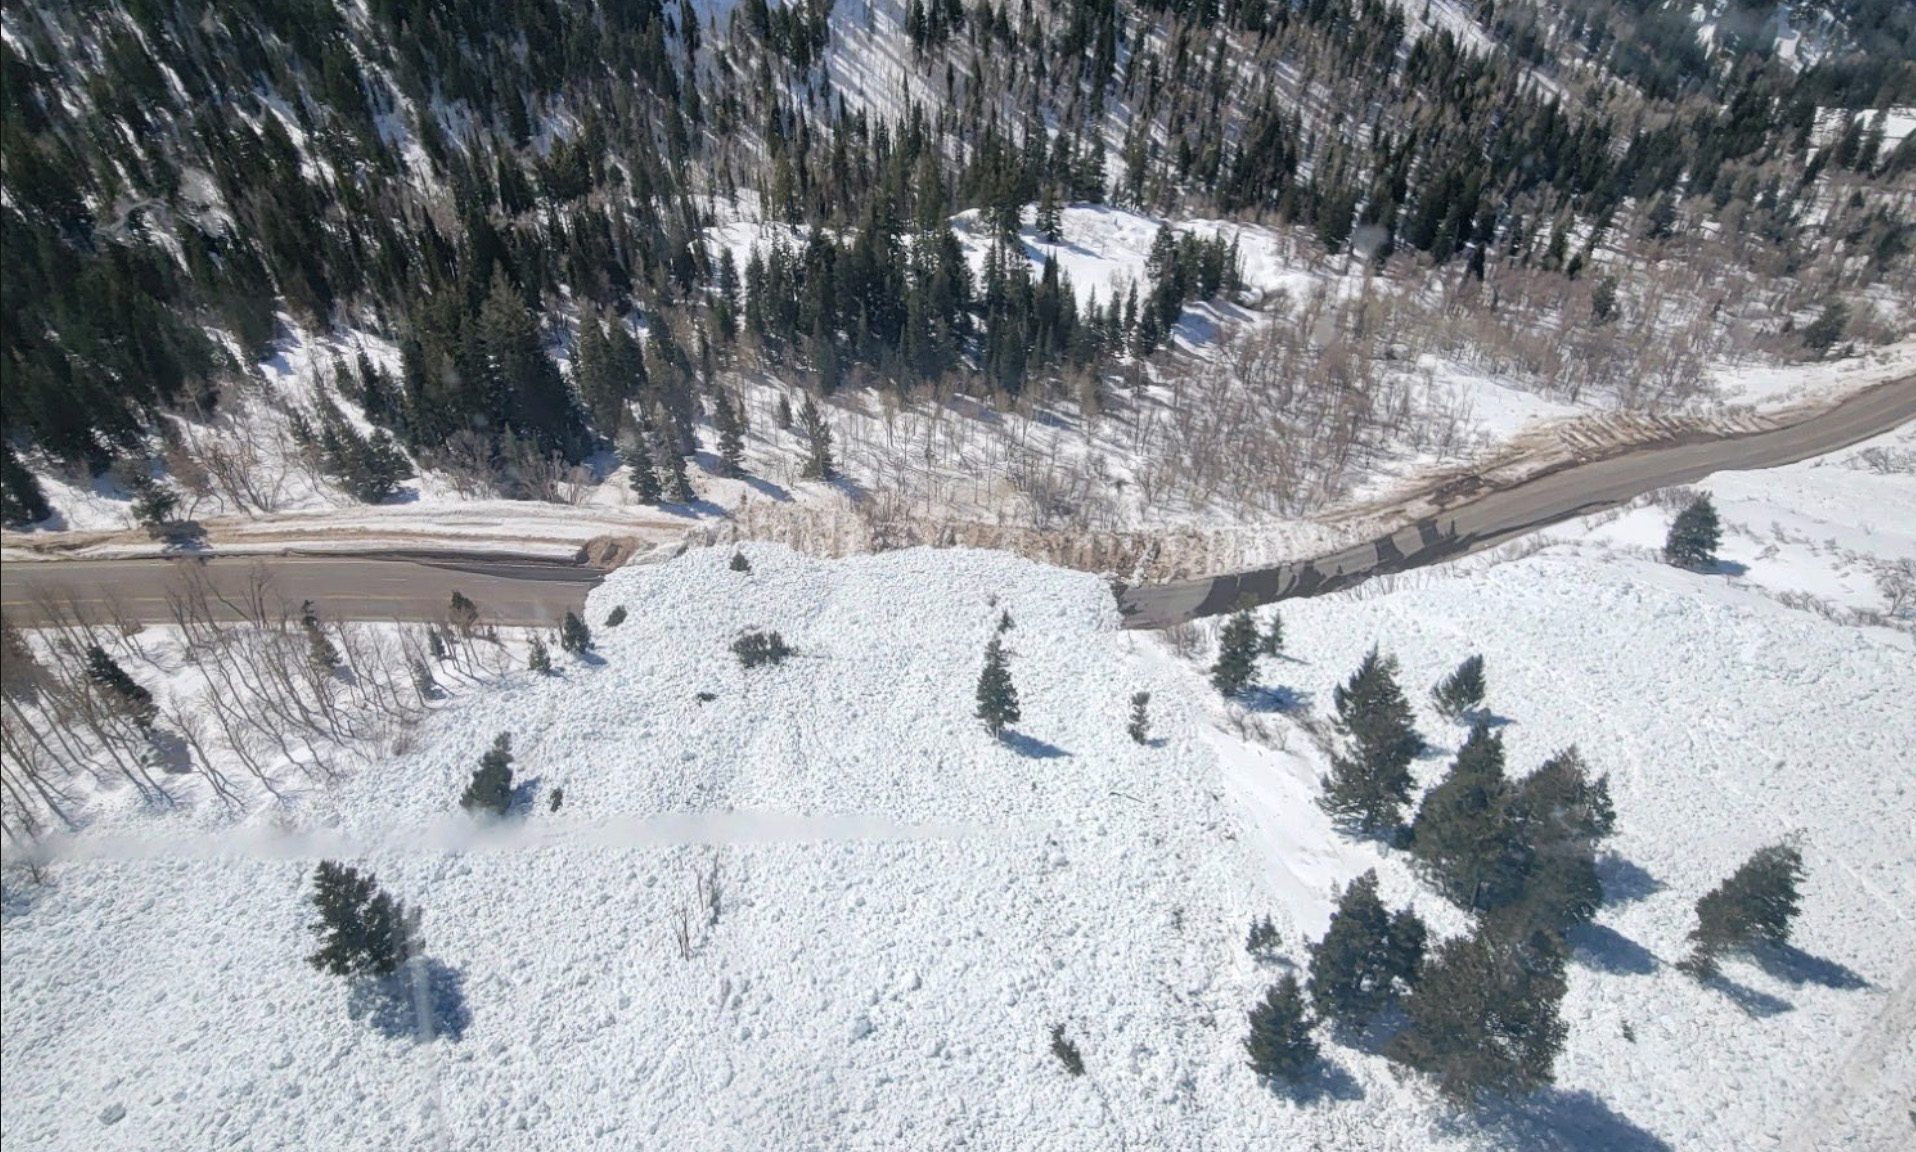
x=1184, y=640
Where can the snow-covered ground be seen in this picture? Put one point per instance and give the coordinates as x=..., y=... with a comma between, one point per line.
x=909, y=907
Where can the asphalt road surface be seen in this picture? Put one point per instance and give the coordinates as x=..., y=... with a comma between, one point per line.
x=1502, y=515
x=525, y=591
x=507, y=591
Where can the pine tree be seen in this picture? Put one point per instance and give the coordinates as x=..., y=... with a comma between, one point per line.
x=755, y=648
x=490, y=789
x=1560, y=815
x=731, y=437
x=1262, y=940
x=1821, y=334
x=818, y=441
x=574, y=636
x=1139, y=728
x=1370, y=781
x=463, y=614
x=362, y=930
x=120, y=691
x=1693, y=536
x=320, y=652
x=645, y=480
x=1361, y=965
x=1485, y=1015
x=997, y=696
x=1050, y=215
x=1272, y=642
x=740, y=563
x=540, y=660
x=1755, y=905
x=1464, y=835
x=679, y=490
x=1280, y=1044
x=1462, y=691
x=615, y=617
x=1236, y=666
x=22, y=501
x=782, y=414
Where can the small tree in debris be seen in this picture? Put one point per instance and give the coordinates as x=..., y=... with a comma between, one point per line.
x=1139, y=729
x=1694, y=535
x=997, y=696
x=740, y=563
x=615, y=617
x=1757, y=904
x=1280, y=1044
x=1262, y=940
x=1236, y=666
x=574, y=636
x=491, y=787
x=756, y=648
x=1066, y=1051
x=1462, y=691
x=1272, y=642
x=362, y=930
x=320, y=652
x=540, y=660
x=463, y=614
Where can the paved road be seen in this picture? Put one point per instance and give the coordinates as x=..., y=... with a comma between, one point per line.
x=508, y=591
x=539, y=592
x=1499, y=516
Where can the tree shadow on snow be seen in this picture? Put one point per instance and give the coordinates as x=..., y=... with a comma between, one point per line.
x=1795, y=967
x=523, y=794
x=1488, y=716
x=1604, y=949
x=1555, y=1121
x=767, y=489
x=1031, y=747
x=1758, y=1005
x=169, y=752
x=591, y=659
x=1624, y=882
x=1278, y=698
x=392, y=1004
x=1326, y=1080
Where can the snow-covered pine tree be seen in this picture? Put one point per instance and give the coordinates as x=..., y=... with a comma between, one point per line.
x=1280, y=1044
x=1694, y=535
x=362, y=930
x=574, y=636
x=490, y=789
x=1484, y=1017
x=997, y=696
x=1462, y=691
x=1139, y=729
x=1464, y=836
x=1757, y=904
x=1370, y=780
x=1237, y=645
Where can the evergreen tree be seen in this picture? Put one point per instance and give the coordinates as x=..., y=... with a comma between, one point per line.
x=818, y=441
x=120, y=691
x=462, y=613
x=1360, y=965
x=153, y=502
x=755, y=648
x=1560, y=815
x=997, y=696
x=1139, y=728
x=320, y=652
x=615, y=617
x=1693, y=536
x=1237, y=646
x=1485, y=1015
x=740, y=563
x=1262, y=941
x=540, y=660
x=731, y=437
x=1370, y=781
x=645, y=481
x=1755, y=905
x=362, y=930
x=22, y=501
x=782, y=414
x=1464, y=835
x=1821, y=334
x=1280, y=1044
x=490, y=789
x=679, y=489
x=574, y=636
x=1462, y=691
x=1272, y=642
x=1050, y=215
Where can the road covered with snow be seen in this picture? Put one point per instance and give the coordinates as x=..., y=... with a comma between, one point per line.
x=908, y=907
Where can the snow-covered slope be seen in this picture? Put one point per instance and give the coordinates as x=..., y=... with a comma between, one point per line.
x=909, y=907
